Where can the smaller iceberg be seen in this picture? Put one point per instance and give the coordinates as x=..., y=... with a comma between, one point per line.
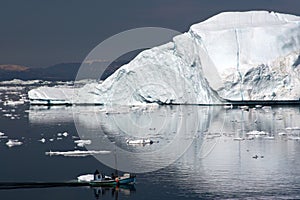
x=139, y=142
x=82, y=143
x=85, y=178
x=12, y=143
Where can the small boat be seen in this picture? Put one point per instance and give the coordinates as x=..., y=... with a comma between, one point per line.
x=102, y=180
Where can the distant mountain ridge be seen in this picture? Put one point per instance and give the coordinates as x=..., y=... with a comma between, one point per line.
x=9, y=67
x=58, y=72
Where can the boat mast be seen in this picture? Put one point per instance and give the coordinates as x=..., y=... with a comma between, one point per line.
x=116, y=163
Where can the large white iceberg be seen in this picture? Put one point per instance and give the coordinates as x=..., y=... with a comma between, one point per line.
x=234, y=55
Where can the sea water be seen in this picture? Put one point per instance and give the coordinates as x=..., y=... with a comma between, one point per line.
x=199, y=152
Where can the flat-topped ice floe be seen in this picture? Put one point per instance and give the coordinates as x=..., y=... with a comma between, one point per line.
x=75, y=153
x=140, y=142
x=12, y=143
x=251, y=55
x=82, y=143
x=85, y=177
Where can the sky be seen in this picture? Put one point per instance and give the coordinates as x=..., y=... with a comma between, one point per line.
x=40, y=33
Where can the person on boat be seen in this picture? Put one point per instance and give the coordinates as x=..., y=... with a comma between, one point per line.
x=97, y=176
x=113, y=176
x=117, y=181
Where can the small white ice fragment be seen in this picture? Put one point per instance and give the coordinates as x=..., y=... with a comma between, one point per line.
x=250, y=137
x=228, y=106
x=238, y=139
x=82, y=143
x=293, y=128
x=85, y=178
x=43, y=140
x=297, y=138
x=139, y=142
x=244, y=107
x=266, y=108
x=269, y=138
x=257, y=133
x=282, y=134
x=12, y=143
x=65, y=134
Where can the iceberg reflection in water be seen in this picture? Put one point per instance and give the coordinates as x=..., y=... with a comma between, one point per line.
x=109, y=128
x=214, y=163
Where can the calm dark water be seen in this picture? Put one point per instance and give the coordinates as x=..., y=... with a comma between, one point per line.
x=212, y=150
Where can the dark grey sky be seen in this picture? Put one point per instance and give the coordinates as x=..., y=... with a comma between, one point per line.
x=45, y=32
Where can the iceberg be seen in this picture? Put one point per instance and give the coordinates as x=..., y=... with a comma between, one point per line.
x=252, y=55
x=85, y=178
x=82, y=143
x=12, y=143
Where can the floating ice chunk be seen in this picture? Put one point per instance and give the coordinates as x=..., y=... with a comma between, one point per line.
x=85, y=178
x=139, y=142
x=294, y=138
x=257, y=133
x=210, y=136
x=82, y=143
x=266, y=108
x=65, y=134
x=250, y=137
x=238, y=139
x=7, y=115
x=228, y=106
x=12, y=143
x=269, y=137
x=59, y=134
x=282, y=134
x=75, y=153
x=244, y=107
x=2, y=135
x=13, y=103
x=292, y=128
x=43, y=140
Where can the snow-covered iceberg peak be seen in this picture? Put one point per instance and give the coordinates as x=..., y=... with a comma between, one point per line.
x=248, y=38
x=249, y=19
x=237, y=42
x=234, y=55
